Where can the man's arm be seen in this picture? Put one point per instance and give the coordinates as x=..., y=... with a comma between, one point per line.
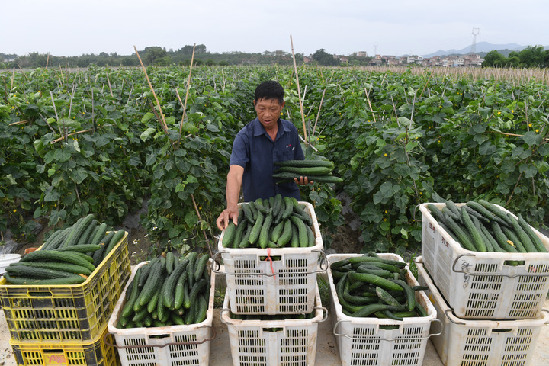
x=232, y=193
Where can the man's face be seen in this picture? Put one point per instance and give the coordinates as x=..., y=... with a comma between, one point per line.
x=268, y=111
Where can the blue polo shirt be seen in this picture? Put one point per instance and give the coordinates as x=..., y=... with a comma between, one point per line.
x=254, y=150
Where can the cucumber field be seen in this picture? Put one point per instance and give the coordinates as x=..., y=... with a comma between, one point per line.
x=102, y=140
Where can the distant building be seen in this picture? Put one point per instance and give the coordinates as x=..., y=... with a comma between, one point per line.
x=362, y=54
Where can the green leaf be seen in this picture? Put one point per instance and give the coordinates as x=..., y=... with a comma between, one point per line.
x=190, y=218
x=411, y=145
x=147, y=133
x=532, y=138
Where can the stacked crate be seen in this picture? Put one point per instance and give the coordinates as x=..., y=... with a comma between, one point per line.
x=166, y=345
x=67, y=324
x=265, y=286
x=375, y=341
x=490, y=306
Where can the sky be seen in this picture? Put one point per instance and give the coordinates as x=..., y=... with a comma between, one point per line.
x=397, y=27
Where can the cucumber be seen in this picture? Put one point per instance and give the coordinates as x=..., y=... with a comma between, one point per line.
x=256, y=230
x=306, y=163
x=463, y=237
x=152, y=305
x=26, y=269
x=72, y=239
x=248, y=212
x=260, y=205
x=264, y=233
x=200, y=266
x=302, y=231
x=229, y=234
x=524, y=238
x=286, y=235
x=305, y=171
x=240, y=229
x=66, y=267
x=310, y=237
x=312, y=178
x=55, y=256
x=99, y=234
x=134, y=286
x=475, y=234
x=170, y=262
x=536, y=241
x=154, y=281
x=410, y=294
x=375, y=280
x=171, y=283
x=367, y=310
x=294, y=241
x=85, y=237
x=510, y=234
x=277, y=230
x=180, y=290
x=245, y=239
x=288, y=208
x=202, y=310
x=76, y=279
x=192, y=257
x=84, y=248
x=502, y=239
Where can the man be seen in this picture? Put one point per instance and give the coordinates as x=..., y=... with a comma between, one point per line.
x=257, y=146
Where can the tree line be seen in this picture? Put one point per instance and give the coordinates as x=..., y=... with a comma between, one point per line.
x=531, y=56
x=159, y=56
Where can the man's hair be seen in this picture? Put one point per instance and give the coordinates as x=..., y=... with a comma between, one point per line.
x=270, y=90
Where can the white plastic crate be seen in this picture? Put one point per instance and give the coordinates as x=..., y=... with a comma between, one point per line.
x=484, y=284
x=273, y=281
x=372, y=341
x=468, y=342
x=287, y=342
x=169, y=345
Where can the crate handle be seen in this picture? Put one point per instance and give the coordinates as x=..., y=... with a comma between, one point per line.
x=366, y=337
x=324, y=313
x=40, y=293
x=491, y=273
x=215, y=258
x=214, y=335
x=323, y=260
x=547, y=311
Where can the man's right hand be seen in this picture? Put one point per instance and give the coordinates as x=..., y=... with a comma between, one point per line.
x=230, y=213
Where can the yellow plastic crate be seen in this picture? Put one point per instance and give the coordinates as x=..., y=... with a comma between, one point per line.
x=100, y=352
x=67, y=313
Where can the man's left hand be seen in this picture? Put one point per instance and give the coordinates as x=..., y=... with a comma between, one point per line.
x=303, y=181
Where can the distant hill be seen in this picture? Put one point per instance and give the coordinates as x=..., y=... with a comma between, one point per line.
x=482, y=47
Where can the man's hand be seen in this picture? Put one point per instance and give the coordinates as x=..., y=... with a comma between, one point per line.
x=230, y=213
x=303, y=181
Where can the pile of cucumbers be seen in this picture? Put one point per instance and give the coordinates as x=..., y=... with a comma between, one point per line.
x=68, y=256
x=167, y=291
x=483, y=227
x=370, y=286
x=276, y=222
x=315, y=170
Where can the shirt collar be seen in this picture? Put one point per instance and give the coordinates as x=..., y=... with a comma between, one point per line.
x=260, y=130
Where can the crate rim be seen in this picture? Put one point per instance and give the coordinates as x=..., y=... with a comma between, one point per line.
x=72, y=286
x=476, y=323
x=462, y=252
x=145, y=331
x=341, y=317
x=319, y=244
x=320, y=310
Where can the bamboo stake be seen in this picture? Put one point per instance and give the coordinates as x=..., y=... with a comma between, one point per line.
x=70, y=134
x=299, y=95
x=318, y=113
x=18, y=123
x=162, y=120
x=370, y=104
x=200, y=219
x=55, y=110
x=186, y=95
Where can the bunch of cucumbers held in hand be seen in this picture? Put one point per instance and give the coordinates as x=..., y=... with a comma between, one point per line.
x=370, y=286
x=167, y=291
x=276, y=222
x=68, y=256
x=315, y=170
x=483, y=227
